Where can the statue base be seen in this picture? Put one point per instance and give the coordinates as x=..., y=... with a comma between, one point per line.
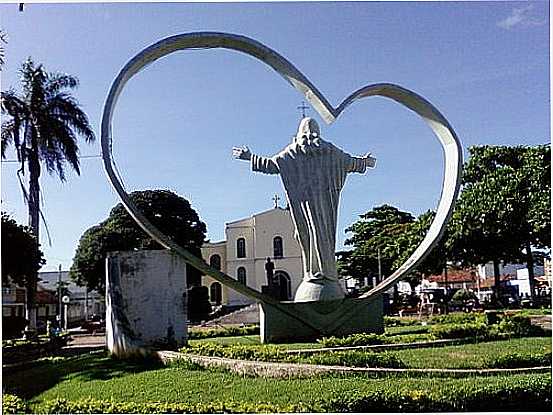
x=319, y=290
x=321, y=319
x=146, y=299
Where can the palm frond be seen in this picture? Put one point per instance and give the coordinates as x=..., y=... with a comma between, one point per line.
x=6, y=137
x=12, y=104
x=58, y=81
x=58, y=145
x=66, y=108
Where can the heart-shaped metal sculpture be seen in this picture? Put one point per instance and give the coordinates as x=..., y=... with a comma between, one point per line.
x=207, y=40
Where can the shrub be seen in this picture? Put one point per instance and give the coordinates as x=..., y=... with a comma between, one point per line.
x=516, y=360
x=274, y=354
x=223, y=332
x=12, y=404
x=531, y=394
x=518, y=326
x=460, y=331
x=506, y=394
x=352, y=358
x=398, y=321
x=237, y=351
x=23, y=350
x=93, y=406
x=457, y=318
x=358, y=339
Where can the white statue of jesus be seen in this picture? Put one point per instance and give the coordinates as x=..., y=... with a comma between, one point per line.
x=313, y=172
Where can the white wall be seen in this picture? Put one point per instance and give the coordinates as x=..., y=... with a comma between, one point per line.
x=259, y=232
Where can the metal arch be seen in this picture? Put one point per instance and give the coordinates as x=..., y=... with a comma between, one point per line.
x=207, y=40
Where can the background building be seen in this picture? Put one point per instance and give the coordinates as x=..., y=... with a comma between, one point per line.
x=249, y=242
x=82, y=304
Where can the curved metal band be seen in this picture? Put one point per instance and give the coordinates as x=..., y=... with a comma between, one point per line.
x=206, y=40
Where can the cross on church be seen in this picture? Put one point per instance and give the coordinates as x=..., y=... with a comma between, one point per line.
x=276, y=199
x=302, y=107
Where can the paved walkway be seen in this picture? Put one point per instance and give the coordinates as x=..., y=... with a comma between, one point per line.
x=86, y=340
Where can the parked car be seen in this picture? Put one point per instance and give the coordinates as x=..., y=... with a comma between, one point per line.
x=95, y=324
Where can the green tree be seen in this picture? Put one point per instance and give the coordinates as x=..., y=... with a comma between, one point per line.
x=504, y=208
x=44, y=122
x=21, y=255
x=376, y=231
x=169, y=212
x=3, y=40
x=395, y=235
x=410, y=239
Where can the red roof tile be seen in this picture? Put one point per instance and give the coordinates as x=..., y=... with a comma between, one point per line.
x=455, y=275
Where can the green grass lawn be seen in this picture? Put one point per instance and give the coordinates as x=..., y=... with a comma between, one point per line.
x=97, y=376
x=471, y=355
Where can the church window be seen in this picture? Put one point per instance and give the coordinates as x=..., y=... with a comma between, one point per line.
x=241, y=248
x=241, y=274
x=215, y=262
x=215, y=293
x=278, y=250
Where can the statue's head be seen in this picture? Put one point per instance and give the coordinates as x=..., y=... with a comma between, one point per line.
x=308, y=130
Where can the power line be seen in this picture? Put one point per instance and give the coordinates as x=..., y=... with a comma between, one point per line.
x=80, y=157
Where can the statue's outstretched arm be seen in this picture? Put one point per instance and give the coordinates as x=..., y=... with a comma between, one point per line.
x=360, y=164
x=259, y=163
x=264, y=164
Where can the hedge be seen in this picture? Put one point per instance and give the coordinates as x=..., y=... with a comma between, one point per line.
x=352, y=358
x=527, y=394
x=509, y=326
x=14, y=351
x=458, y=318
x=12, y=404
x=516, y=360
x=223, y=332
x=275, y=354
x=533, y=394
x=451, y=326
x=399, y=321
x=358, y=339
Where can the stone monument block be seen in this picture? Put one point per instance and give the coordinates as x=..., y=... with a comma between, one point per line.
x=146, y=302
x=325, y=318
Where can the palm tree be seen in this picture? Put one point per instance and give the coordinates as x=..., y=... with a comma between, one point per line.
x=3, y=39
x=43, y=124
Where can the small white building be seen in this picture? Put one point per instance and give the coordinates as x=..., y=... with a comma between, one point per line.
x=83, y=303
x=249, y=242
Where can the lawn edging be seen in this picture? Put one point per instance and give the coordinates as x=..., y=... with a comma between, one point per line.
x=288, y=370
x=388, y=346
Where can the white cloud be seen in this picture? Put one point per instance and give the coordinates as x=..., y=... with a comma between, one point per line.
x=521, y=16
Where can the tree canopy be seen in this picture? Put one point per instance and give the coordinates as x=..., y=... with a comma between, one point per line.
x=503, y=211
x=394, y=234
x=43, y=123
x=21, y=254
x=169, y=212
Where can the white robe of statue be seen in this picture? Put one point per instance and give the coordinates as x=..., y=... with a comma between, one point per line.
x=313, y=172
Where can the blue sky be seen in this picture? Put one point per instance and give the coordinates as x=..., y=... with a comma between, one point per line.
x=484, y=65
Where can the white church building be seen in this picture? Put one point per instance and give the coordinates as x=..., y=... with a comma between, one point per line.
x=249, y=242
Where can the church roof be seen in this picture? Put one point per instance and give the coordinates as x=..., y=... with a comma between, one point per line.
x=205, y=244
x=240, y=221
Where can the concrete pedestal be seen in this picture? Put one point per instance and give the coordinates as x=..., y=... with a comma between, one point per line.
x=146, y=302
x=321, y=319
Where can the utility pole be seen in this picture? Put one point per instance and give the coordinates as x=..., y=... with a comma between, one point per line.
x=446, y=286
x=86, y=303
x=60, y=306
x=379, y=268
